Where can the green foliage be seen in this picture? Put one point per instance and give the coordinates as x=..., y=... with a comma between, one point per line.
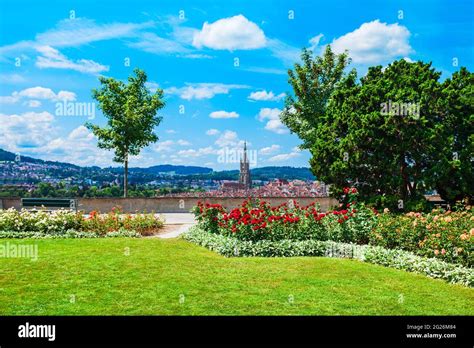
x=448, y=236
x=130, y=110
x=313, y=83
x=257, y=220
x=445, y=235
x=63, y=223
x=396, y=133
x=452, y=163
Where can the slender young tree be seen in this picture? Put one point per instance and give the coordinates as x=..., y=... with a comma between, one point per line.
x=131, y=112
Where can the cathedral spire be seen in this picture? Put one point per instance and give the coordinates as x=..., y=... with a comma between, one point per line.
x=244, y=177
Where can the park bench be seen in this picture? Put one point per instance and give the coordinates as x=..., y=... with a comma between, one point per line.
x=42, y=203
x=438, y=204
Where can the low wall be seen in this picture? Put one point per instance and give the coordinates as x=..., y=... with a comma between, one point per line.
x=168, y=204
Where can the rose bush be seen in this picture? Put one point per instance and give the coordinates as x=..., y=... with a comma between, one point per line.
x=444, y=235
x=256, y=220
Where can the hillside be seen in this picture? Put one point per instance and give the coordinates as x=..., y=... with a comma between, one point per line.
x=37, y=170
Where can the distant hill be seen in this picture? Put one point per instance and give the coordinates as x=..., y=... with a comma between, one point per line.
x=61, y=170
x=262, y=173
x=169, y=168
x=10, y=156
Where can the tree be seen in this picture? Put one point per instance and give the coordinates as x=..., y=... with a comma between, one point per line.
x=131, y=112
x=385, y=133
x=452, y=167
x=313, y=83
x=384, y=130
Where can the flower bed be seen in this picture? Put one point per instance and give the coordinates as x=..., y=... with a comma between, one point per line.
x=400, y=259
x=63, y=223
x=256, y=220
x=444, y=235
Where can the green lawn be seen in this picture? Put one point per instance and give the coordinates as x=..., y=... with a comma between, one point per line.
x=156, y=274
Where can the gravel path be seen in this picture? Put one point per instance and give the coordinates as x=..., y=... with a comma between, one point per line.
x=176, y=224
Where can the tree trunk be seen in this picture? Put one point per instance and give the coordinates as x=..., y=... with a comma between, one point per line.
x=125, y=178
x=405, y=180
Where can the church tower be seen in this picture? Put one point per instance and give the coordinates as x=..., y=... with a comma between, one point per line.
x=244, y=178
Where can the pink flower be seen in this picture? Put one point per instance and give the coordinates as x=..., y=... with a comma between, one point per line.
x=436, y=252
x=443, y=251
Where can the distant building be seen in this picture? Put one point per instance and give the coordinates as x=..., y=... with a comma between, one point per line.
x=244, y=177
x=245, y=181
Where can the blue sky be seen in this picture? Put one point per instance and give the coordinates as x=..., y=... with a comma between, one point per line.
x=222, y=66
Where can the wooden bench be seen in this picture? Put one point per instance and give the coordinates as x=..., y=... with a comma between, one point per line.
x=42, y=203
x=439, y=204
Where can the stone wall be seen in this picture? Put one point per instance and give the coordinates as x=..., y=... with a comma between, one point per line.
x=166, y=204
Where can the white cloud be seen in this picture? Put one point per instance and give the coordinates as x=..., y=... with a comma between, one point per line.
x=163, y=146
x=375, y=42
x=296, y=149
x=265, y=70
x=152, y=86
x=46, y=93
x=152, y=43
x=34, y=103
x=80, y=31
x=314, y=42
x=170, y=131
x=223, y=114
x=212, y=131
x=27, y=130
x=272, y=117
x=269, y=150
x=286, y=53
x=283, y=157
x=12, y=78
x=202, y=90
x=204, y=151
x=266, y=96
x=81, y=132
x=229, y=138
x=52, y=58
x=38, y=92
x=183, y=142
x=197, y=56
x=10, y=99
x=232, y=33
x=34, y=134
x=79, y=147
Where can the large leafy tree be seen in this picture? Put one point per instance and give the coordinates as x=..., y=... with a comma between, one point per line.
x=383, y=130
x=313, y=82
x=452, y=163
x=131, y=112
x=390, y=153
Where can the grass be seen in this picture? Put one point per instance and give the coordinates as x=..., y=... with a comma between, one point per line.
x=174, y=277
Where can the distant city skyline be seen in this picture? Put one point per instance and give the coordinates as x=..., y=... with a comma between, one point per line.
x=222, y=67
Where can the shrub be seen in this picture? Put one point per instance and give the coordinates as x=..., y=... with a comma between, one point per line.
x=62, y=222
x=256, y=220
x=444, y=235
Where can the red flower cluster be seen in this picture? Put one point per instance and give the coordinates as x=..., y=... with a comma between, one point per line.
x=255, y=216
x=348, y=190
